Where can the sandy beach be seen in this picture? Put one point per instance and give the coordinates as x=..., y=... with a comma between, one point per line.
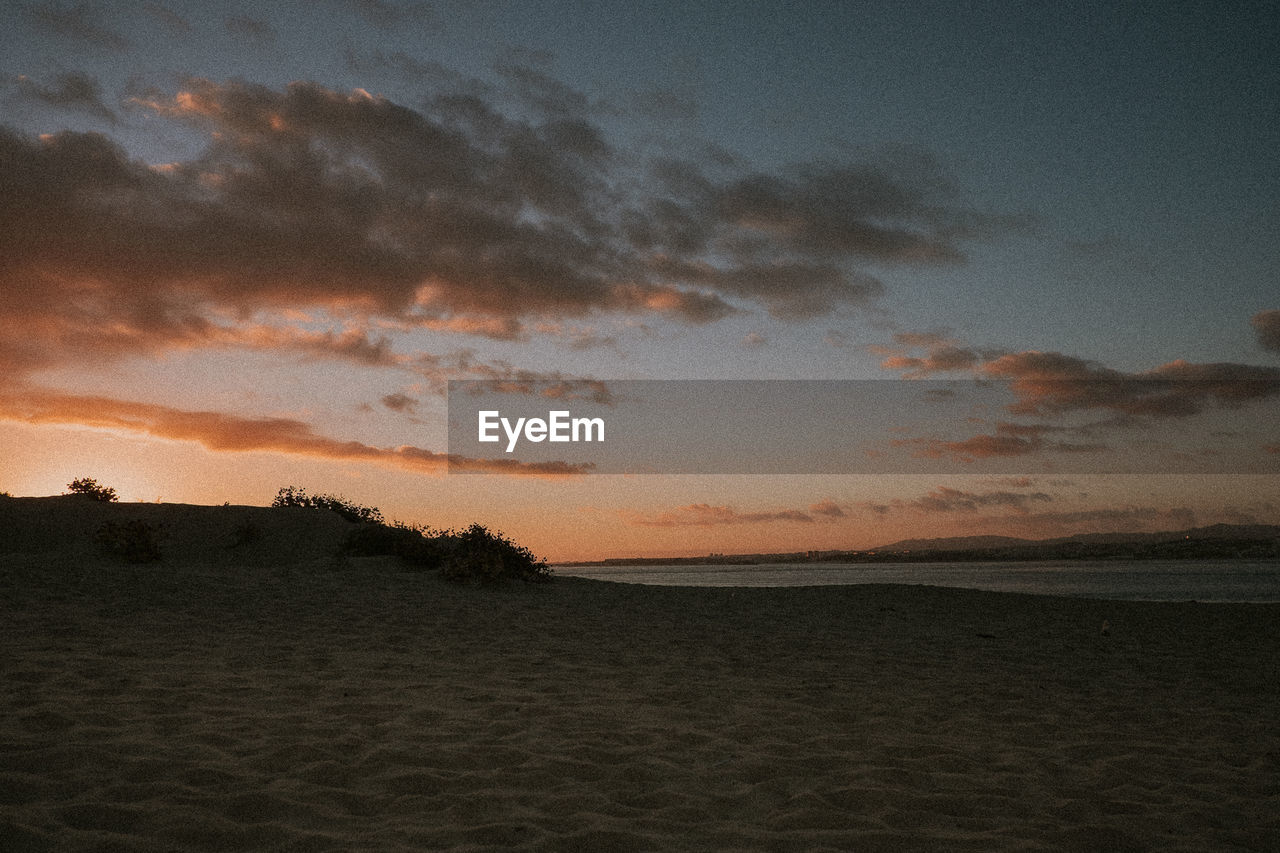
x=255, y=692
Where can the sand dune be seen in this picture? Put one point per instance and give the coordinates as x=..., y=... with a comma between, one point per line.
x=230, y=698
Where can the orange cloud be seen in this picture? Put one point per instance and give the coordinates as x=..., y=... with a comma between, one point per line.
x=230, y=433
x=707, y=515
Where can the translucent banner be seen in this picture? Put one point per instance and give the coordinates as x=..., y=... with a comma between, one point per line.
x=864, y=427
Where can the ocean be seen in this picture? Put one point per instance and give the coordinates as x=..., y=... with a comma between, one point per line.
x=1145, y=580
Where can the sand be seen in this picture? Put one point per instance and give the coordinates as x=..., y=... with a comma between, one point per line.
x=227, y=703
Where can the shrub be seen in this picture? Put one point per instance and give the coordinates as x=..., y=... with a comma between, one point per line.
x=90, y=488
x=475, y=554
x=418, y=546
x=132, y=541
x=292, y=496
x=482, y=555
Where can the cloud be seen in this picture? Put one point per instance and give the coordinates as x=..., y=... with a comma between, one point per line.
x=944, y=499
x=452, y=217
x=72, y=90
x=828, y=509
x=1266, y=325
x=1008, y=439
x=545, y=93
x=942, y=354
x=437, y=369
x=400, y=402
x=1053, y=383
x=230, y=433
x=78, y=23
x=401, y=66
x=836, y=338
x=707, y=515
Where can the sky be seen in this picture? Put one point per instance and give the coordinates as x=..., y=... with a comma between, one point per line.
x=244, y=246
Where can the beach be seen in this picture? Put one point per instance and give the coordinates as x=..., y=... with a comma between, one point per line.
x=228, y=698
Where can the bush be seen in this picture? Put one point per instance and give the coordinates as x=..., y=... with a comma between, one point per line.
x=479, y=554
x=418, y=546
x=132, y=541
x=472, y=555
x=292, y=496
x=90, y=488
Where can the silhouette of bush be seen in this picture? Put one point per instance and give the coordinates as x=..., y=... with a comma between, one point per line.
x=132, y=541
x=419, y=546
x=90, y=488
x=478, y=554
x=475, y=554
x=292, y=496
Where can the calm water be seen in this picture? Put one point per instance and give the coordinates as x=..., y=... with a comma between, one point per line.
x=1147, y=580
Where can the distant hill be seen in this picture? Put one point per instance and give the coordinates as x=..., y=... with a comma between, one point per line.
x=1217, y=541
x=954, y=542
x=1240, y=532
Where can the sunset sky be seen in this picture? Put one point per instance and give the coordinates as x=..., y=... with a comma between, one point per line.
x=250, y=247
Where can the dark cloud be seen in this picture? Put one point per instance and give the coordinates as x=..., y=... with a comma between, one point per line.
x=944, y=499
x=1007, y=440
x=73, y=90
x=79, y=23
x=1053, y=383
x=400, y=402
x=1266, y=325
x=542, y=92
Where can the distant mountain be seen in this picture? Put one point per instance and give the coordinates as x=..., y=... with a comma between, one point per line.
x=1216, y=542
x=955, y=543
x=1240, y=532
